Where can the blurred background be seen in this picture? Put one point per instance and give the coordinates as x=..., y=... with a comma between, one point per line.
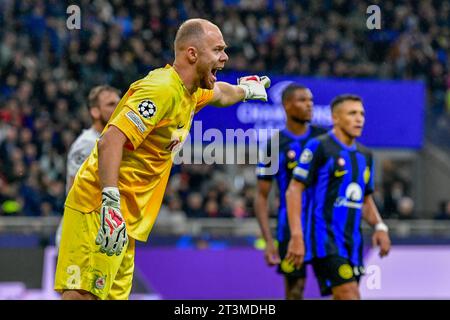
x=206, y=242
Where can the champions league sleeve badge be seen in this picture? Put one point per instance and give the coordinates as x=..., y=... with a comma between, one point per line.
x=147, y=109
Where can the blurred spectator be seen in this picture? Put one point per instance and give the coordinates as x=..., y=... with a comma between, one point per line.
x=212, y=208
x=47, y=70
x=239, y=210
x=405, y=209
x=444, y=211
x=194, y=205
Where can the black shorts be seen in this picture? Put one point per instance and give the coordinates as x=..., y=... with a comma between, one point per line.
x=286, y=269
x=332, y=271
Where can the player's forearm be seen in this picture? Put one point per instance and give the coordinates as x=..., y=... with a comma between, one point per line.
x=370, y=212
x=262, y=214
x=110, y=150
x=229, y=94
x=294, y=208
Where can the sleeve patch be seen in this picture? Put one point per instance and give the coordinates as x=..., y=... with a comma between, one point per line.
x=301, y=172
x=136, y=120
x=306, y=156
x=147, y=109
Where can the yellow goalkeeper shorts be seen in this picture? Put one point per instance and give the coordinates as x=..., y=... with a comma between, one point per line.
x=81, y=265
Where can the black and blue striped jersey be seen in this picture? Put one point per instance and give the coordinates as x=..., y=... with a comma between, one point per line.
x=280, y=167
x=338, y=178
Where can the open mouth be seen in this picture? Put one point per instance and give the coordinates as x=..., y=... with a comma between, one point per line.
x=214, y=73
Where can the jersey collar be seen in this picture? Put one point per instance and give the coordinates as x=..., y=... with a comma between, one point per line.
x=177, y=76
x=297, y=137
x=346, y=147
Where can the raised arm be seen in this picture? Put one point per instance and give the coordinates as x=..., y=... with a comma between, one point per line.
x=248, y=88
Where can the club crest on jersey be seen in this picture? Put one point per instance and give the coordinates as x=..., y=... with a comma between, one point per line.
x=291, y=154
x=100, y=283
x=147, y=109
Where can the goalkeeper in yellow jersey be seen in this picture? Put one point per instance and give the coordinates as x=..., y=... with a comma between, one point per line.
x=118, y=190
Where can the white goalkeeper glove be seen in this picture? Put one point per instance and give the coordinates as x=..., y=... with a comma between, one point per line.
x=254, y=87
x=112, y=235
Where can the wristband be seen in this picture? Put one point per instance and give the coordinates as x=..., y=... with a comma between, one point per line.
x=381, y=226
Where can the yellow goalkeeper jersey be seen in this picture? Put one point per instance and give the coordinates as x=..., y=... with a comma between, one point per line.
x=156, y=115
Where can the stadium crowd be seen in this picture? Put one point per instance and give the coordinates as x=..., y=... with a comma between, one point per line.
x=47, y=70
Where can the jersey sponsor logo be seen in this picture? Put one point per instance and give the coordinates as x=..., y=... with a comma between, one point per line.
x=136, y=121
x=353, y=192
x=301, y=172
x=147, y=109
x=306, y=156
x=177, y=141
x=345, y=271
x=340, y=173
x=352, y=199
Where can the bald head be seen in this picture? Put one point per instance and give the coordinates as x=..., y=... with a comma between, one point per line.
x=192, y=32
x=199, y=53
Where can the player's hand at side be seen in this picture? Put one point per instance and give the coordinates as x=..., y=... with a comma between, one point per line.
x=381, y=239
x=296, y=251
x=254, y=87
x=112, y=235
x=271, y=254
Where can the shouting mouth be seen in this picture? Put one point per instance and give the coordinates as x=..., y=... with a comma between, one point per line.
x=214, y=72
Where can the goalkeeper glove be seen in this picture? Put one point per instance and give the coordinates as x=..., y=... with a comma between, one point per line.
x=254, y=87
x=112, y=235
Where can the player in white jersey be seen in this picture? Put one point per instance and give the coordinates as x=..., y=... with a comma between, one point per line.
x=102, y=101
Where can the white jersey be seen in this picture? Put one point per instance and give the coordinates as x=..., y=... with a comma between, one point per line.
x=79, y=151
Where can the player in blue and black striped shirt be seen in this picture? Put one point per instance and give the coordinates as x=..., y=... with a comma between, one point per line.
x=338, y=173
x=298, y=104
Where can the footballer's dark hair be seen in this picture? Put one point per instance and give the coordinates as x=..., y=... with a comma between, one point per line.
x=342, y=98
x=289, y=91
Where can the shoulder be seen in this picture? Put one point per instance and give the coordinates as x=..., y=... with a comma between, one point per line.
x=317, y=131
x=363, y=149
x=162, y=80
x=315, y=144
x=85, y=140
x=284, y=139
x=366, y=152
x=203, y=92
